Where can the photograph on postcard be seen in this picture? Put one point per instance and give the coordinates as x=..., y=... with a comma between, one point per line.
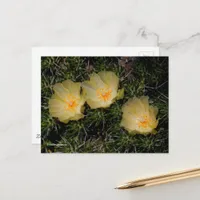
x=104, y=104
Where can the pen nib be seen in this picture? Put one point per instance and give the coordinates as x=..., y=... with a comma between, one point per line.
x=129, y=186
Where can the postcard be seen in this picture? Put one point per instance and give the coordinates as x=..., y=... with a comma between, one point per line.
x=100, y=100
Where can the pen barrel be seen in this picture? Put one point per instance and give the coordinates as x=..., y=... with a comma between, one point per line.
x=184, y=173
x=162, y=179
x=175, y=177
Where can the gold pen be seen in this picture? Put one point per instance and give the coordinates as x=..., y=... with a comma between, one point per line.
x=161, y=179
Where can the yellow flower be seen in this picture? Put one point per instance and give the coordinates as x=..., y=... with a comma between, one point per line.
x=67, y=103
x=102, y=89
x=139, y=116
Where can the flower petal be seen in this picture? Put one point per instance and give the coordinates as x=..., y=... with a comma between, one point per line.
x=55, y=96
x=72, y=87
x=145, y=102
x=80, y=108
x=110, y=79
x=98, y=104
x=96, y=81
x=134, y=106
x=77, y=117
x=57, y=109
x=94, y=104
x=128, y=124
x=153, y=110
x=61, y=91
x=64, y=121
x=89, y=90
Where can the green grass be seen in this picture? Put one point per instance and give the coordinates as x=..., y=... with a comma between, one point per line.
x=99, y=130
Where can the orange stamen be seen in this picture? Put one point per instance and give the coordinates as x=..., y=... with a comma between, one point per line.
x=104, y=94
x=143, y=122
x=71, y=102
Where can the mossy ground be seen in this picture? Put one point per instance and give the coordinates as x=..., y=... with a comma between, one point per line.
x=99, y=130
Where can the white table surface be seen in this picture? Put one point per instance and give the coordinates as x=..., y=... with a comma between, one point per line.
x=173, y=25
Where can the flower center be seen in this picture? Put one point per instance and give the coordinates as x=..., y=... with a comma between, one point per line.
x=143, y=122
x=71, y=102
x=104, y=94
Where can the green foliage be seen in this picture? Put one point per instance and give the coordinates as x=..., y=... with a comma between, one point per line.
x=99, y=130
